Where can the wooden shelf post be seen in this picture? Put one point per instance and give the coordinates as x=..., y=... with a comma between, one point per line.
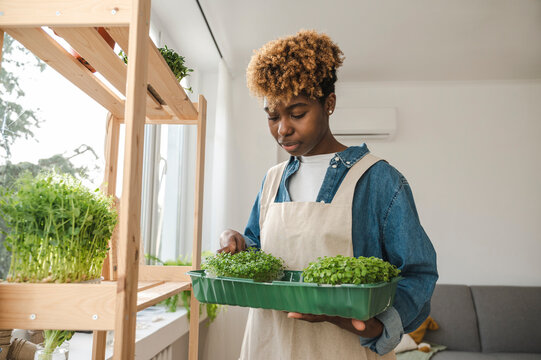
x=130, y=202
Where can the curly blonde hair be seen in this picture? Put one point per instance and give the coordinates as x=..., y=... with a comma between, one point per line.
x=301, y=64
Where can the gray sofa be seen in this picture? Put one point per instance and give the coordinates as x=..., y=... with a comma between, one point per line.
x=486, y=322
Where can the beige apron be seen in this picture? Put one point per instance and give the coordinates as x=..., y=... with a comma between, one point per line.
x=300, y=232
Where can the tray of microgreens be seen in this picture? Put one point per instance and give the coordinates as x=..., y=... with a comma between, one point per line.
x=343, y=286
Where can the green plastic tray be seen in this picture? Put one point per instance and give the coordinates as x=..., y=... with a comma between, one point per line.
x=291, y=294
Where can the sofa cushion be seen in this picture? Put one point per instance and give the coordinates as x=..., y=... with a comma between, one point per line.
x=465, y=355
x=452, y=308
x=509, y=318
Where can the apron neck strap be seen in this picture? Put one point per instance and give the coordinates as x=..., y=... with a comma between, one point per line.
x=345, y=192
x=272, y=182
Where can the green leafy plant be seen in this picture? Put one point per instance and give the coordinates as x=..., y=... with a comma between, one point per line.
x=349, y=270
x=52, y=340
x=57, y=231
x=171, y=303
x=173, y=59
x=249, y=264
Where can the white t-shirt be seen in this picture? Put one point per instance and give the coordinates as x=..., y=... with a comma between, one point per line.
x=304, y=185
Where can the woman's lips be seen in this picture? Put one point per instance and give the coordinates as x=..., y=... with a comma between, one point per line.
x=290, y=146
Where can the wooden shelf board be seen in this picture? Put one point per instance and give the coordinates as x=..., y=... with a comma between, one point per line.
x=73, y=306
x=33, y=13
x=97, y=52
x=57, y=306
x=165, y=273
x=143, y=285
x=166, y=121
x=160, y=77
x=46, y=48
x=155, y=294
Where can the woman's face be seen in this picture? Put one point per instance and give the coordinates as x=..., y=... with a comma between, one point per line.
x=301, y=126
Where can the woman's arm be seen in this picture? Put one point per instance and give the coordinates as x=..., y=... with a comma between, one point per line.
x=369, y=328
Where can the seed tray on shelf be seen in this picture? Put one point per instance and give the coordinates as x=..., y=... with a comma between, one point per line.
x=292, y=294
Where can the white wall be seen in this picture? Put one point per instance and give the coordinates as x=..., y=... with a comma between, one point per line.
x=471, y=154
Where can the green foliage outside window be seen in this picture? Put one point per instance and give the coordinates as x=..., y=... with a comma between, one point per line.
x=172, y=303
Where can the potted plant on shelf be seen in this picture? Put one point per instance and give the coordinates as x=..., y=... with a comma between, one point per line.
x=58, y=232
x=176, y=64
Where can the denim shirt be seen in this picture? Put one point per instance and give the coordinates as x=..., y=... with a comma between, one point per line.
x=385, y=225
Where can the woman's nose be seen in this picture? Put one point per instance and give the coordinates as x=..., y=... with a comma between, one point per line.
x=284, y=128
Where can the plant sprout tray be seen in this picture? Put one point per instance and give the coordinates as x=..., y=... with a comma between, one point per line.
x=291, y=294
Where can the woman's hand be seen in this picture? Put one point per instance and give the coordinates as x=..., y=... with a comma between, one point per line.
x=231, y=241
x=368, y=329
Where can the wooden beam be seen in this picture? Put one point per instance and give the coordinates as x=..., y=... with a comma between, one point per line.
x=93, y=48
x=160, y=77
x=112, y=140
x=108, y=187
x=47, y=306
x=32, y=13
x=155, y=294
x=46, y=48
x=166, y=273
x=198, y=222
x=199, y=178
x=168, y=121
x=99, y=345
x=130, y=220
x=143, y=285
x=1, y=46
x=193, y=346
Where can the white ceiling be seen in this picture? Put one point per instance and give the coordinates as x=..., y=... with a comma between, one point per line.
x=383, y=40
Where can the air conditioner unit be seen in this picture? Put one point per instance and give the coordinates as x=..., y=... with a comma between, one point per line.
x=364, y=123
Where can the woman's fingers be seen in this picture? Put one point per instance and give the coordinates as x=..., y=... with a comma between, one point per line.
x=358, y=324
x=294, y=315
x=231, y=241
x=240, y=243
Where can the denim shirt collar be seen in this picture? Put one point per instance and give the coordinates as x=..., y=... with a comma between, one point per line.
x=348, y=158
x=338, y=166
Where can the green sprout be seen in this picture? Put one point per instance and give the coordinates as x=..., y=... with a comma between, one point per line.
x=349, y=270
x=249, y=264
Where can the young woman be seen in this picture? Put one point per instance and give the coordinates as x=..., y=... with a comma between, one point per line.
x=328, y=199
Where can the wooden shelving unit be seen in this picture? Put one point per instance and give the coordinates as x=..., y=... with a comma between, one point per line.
x=128, y=287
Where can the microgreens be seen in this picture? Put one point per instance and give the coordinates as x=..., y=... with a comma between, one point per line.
x=349, y=270
x=58, y=230
x=249, y=264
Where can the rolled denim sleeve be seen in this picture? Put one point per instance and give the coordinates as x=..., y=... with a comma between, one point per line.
x=391, y=335
x=408, y=247
x=252, y=231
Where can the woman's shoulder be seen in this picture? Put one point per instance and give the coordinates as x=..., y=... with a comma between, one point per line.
x=384, y=170
x=384, y=176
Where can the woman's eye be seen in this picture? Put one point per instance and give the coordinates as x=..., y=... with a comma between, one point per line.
x=272, y=118
x=298, y=116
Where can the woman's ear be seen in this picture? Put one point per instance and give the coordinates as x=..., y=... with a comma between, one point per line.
x=330, y=103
